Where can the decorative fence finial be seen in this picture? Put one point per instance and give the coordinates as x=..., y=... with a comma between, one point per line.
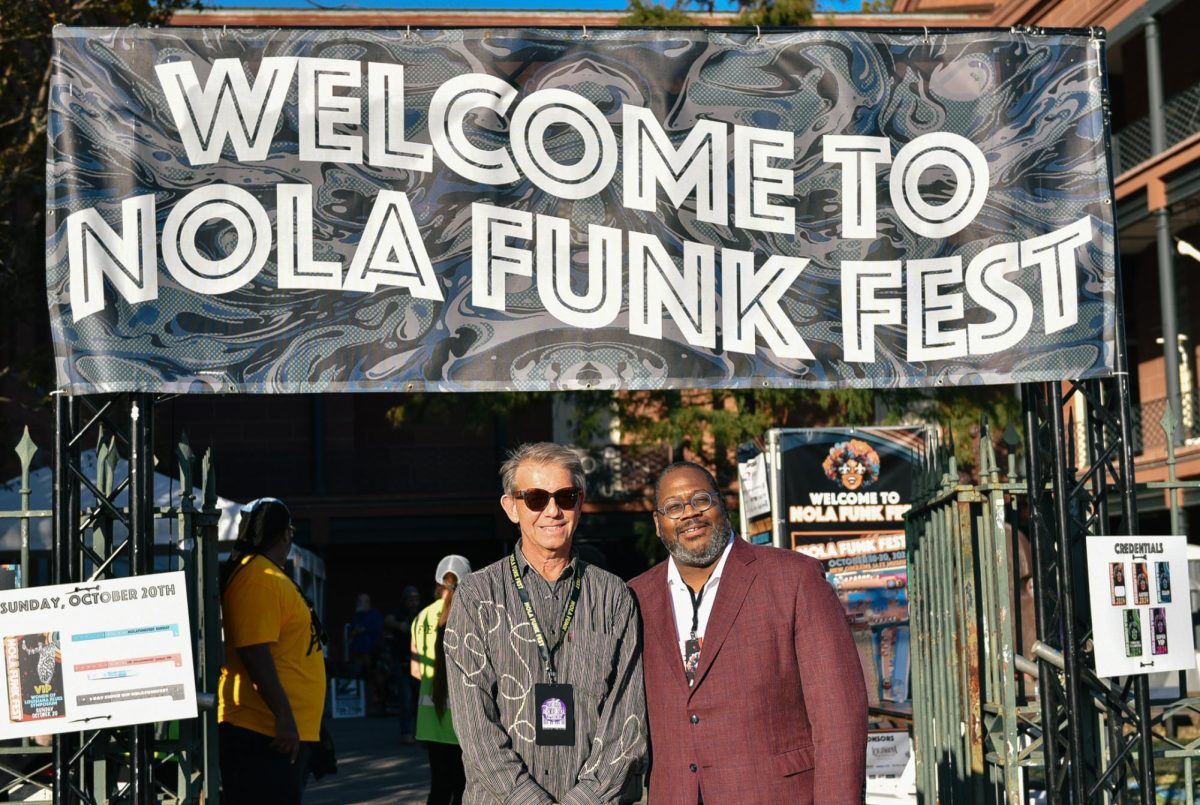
x=25, y=450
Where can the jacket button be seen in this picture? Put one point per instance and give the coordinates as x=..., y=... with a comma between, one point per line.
x=695, y=718
x=692, y=767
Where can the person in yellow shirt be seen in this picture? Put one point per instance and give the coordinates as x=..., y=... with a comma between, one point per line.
x=272, y=688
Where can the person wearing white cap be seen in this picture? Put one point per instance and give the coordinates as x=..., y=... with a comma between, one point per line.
x=435, y=727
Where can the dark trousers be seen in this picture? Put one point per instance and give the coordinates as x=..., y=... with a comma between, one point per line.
x=448, y=780
x=253, y=773
x=409, y=693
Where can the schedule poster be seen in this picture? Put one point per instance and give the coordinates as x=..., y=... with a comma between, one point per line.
x=96, y=654
x=1141, y=607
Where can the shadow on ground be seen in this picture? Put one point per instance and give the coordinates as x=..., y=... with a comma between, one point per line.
x=373, y=766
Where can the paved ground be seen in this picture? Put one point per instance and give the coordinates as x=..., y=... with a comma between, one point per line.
x=373, y=766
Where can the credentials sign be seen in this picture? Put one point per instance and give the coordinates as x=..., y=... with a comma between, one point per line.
x=100, y=654
x=1141, y=607
x=524, y=209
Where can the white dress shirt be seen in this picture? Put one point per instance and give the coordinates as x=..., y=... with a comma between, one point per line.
x=681, y=597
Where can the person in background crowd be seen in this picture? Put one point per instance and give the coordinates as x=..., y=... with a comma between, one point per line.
x=559, y=719
x=384, y=672
x=435, y=726
x=753, y=684
x=272, y=689
x=400, y=628
x=366, y=628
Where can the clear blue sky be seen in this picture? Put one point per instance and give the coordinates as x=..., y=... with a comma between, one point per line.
x=822, y=5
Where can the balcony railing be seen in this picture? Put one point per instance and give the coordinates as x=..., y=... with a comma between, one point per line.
x=1148, y=433
x=1131, y=145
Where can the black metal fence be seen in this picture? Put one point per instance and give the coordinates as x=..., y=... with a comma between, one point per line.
x=1148, y=420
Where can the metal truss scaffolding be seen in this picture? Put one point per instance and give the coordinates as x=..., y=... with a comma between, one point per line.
x=172, y=762
x=1097, y=734
x=991, y=725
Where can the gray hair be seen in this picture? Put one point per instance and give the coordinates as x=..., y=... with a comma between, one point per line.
x=541, y=453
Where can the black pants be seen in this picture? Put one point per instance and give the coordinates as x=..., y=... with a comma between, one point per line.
x=252, y=773
x=448, y=780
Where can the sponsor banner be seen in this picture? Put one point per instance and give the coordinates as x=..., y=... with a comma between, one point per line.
x=888, y=753
x=99, y=654
x=519, y=209
x=754, y=486
x=845, y=492
x=754, y=494
x=1141, y=605
x=347, y=698
x=891, y=769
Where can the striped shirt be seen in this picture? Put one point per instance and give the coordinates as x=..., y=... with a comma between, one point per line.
x=494, y=664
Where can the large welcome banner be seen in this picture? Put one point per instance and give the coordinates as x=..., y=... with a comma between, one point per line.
x=299, y=211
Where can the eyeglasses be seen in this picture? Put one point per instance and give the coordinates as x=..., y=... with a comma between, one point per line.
x=846, y=469
x=538, y=499
x=700, y=502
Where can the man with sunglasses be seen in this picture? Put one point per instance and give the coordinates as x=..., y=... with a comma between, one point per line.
x=545, y=664
x=753, y=684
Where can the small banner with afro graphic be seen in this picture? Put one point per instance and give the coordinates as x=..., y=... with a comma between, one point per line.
x=843, y=494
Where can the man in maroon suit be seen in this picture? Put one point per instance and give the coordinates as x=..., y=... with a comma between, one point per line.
x=753, y=684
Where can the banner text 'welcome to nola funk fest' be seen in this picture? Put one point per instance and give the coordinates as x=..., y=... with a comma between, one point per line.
x=927, y=295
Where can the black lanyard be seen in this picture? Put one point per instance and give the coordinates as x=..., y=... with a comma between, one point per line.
x=317, y=638
x=547, y=653
x=696, y=599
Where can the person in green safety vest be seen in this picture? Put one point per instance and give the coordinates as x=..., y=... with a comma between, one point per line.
x=435, y=727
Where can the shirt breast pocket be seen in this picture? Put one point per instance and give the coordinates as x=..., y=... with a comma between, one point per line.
x=591, y=658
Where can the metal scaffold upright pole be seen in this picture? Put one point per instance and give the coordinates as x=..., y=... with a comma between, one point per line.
x=141, y=561
x=64, y=560
x=1051, y=692
x=1123, y=468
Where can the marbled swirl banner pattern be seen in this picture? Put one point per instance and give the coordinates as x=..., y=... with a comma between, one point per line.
x=1032, y=102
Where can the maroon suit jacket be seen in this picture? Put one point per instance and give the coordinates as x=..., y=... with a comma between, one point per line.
x=778, y=713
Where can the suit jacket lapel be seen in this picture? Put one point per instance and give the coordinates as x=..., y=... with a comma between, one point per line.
x=660, y=637
x=731, y=594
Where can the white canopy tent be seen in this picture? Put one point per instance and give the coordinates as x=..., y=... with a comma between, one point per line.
x=167, y=492
x=307, y=568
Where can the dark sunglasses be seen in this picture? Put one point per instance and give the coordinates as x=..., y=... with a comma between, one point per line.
x=538, y=499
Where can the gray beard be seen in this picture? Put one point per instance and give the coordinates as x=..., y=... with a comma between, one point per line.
x=706, y=556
